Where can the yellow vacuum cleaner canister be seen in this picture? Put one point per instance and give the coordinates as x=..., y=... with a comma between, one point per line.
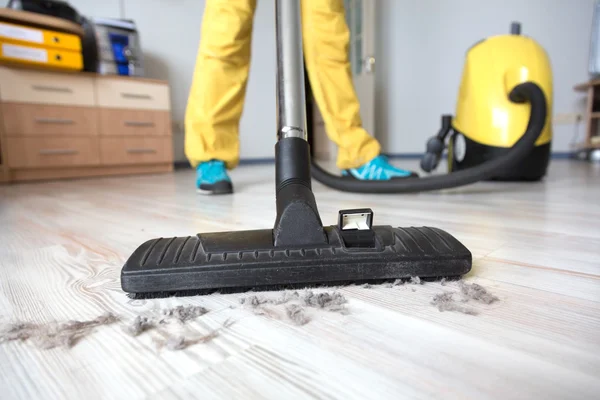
x=487, y=123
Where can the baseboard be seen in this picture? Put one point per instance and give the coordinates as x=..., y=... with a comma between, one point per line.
x=43, y=174
x=402, y=156
x=408, y=156
x=562, y=155
x=181, y=165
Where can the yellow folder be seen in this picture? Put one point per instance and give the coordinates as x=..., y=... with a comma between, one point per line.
x=34, y=55
x=28, y=35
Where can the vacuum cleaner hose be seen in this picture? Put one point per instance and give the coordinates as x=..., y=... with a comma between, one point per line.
x=524, y=92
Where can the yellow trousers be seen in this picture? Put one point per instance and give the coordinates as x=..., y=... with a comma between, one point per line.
x=218, y=90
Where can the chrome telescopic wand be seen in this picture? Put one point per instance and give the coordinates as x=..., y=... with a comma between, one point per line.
x=291, y=108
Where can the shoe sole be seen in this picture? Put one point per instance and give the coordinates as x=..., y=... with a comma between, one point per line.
x=216, y=189
x=213, y=192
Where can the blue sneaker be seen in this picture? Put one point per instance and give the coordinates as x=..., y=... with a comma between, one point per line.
x=378, y=169
x=212, y=178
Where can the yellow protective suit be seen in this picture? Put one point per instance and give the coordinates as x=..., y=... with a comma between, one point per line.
x=218, y=89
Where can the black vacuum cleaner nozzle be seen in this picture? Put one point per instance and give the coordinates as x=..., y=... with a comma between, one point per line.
x=249, y=260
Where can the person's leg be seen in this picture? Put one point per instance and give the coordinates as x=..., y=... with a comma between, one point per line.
x=326, y=39
x=216, y=97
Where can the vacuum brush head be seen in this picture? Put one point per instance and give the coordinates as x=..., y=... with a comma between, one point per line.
x=355, y=251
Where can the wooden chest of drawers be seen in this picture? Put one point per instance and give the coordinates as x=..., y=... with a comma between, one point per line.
x=64, y=125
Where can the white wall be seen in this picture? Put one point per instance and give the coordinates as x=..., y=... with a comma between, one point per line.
x=421, y=45
x=170, y=34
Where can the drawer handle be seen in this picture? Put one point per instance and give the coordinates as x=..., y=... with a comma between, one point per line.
x=141, y=150
x=136, y=96
x=46, y=152
x=138, y=123
x=54, y=121
x=43, y=88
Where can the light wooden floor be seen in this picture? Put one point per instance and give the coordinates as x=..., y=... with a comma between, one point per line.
x=535, y=246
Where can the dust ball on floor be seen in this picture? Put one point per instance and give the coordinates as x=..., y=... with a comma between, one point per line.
x=324, y=300
x=185, y=313
x=140, y=325
x=182, y=314
x=470, y=291
x=295, y=303
x=297, y=314
x=67, y=334
x=54, y=334
x=180, y=342
x=445, y=302
x=476, y=292
x=415, y=280
x=254, y=300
